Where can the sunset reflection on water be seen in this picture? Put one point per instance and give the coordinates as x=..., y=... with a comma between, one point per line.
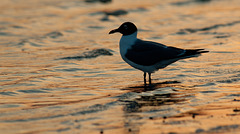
x=42, y=91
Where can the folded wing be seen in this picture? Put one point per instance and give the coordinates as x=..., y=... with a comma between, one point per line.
x=149, y=53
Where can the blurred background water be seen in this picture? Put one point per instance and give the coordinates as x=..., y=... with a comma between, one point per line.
x=62, y=73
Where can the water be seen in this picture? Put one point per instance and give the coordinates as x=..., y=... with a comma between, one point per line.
x=54, y=79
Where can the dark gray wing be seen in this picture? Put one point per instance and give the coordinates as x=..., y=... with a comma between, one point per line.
x=149, y=53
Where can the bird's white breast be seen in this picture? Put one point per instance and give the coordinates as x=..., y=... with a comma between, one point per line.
x=126, y=42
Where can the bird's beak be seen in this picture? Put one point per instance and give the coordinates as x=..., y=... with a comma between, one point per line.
x=113, y=31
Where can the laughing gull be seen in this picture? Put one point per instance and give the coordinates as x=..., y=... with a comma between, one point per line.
x=149, y=56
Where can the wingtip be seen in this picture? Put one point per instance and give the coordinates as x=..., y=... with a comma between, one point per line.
x=199, y=50
x=202, y=51
x=195, y=51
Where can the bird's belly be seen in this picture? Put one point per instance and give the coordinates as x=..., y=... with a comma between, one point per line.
x=149, y=69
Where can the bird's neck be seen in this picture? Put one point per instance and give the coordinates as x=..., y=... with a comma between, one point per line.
x=128, y=39
x=126, y=42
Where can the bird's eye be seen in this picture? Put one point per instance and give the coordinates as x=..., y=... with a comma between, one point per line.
x=125, y=27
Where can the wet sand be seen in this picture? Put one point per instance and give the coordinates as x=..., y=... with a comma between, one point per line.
x=62, y=73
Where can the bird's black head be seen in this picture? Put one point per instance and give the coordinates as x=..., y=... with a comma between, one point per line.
x=126, y=28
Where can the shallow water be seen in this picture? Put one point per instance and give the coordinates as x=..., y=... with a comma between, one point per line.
x=62, y=73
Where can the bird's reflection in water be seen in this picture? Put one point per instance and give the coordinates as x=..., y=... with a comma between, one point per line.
x=154, y=86
x=155, y=100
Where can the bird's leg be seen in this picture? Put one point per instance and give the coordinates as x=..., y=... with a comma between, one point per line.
x=144, y=75
x=150, y=80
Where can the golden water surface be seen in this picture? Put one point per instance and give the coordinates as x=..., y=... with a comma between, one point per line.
x=41, y=92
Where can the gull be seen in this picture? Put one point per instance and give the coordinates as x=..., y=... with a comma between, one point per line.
x=149, y=56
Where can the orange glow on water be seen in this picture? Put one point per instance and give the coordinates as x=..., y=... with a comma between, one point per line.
x=41, y=93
